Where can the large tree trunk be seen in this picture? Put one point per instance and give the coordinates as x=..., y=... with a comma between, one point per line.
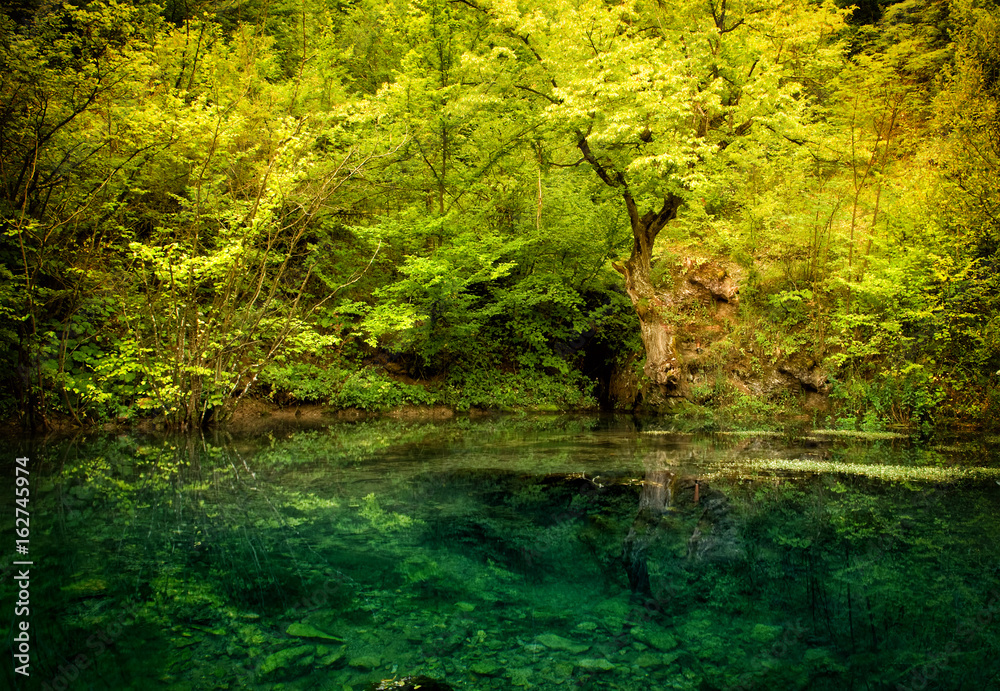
x=654, y=501
x=658, y=332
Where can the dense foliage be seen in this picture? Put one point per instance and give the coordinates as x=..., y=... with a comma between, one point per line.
x=370, y=204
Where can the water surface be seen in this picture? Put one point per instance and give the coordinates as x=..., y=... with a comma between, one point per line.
x=545, y=553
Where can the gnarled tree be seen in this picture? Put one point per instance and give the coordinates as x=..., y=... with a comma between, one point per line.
x=669, y=104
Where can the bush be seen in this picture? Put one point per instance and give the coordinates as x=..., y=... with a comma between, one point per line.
x=367, y=389
x=303, y=381
x=371, y=390
x=906, y=395
x=506, y=390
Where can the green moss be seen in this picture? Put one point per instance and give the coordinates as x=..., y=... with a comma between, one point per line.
x=858, y=434
x=661, y=640
x=364, y=662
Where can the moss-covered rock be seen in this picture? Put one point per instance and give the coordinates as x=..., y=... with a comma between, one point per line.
x=365, y=662
x=486, y=669
x=661, y=640
x=287, y=663
x=302, y=630
x=595, y=665
x=520, y=676
x=330, y=657
x=555, y=642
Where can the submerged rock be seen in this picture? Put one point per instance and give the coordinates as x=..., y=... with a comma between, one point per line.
x=595, y=665
x=287, y=663
x=661, y=640
x=614, y=613
x=520, y=676
x=554, y=642
x=486, y=669
x=325, y=620
x=300, y=630
x=563, y=670
x=365, y=662
x=649, y=661
x=441, y=647
x=328, y=656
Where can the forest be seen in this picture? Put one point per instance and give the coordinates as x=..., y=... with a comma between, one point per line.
x=721, y=207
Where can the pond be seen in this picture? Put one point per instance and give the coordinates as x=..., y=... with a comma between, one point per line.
x=514, y=552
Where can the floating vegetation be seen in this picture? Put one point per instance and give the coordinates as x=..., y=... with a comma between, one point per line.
x=857, y=434
x=882, y=472
x=752, y=433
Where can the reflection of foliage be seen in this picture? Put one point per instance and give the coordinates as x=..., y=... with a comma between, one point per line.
x=380, y=519
x=467, y=540
x=420, y=569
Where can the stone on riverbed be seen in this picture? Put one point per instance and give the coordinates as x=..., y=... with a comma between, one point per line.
x=300, y=630
x=595, y=665
x=655, y=660
x=486, y=669
x=287, y=663
x=661, y=640
x=365, y=662
x=329, y=656
x=554, y=642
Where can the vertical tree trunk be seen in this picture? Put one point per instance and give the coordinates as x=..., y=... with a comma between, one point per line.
x=655, y=500
x=658, y=333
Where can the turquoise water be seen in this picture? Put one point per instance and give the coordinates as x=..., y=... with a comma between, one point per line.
x=544, y=553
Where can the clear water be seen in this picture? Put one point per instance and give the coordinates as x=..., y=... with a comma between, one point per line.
x=540, y=553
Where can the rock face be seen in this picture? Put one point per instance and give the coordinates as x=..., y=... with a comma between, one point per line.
x=710, y=279
x=697, y=303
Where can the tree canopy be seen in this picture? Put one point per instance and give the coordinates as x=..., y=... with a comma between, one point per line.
x=498, y=204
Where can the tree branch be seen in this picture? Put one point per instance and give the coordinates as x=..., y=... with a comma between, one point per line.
x=614, y=178
x=550, y=99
